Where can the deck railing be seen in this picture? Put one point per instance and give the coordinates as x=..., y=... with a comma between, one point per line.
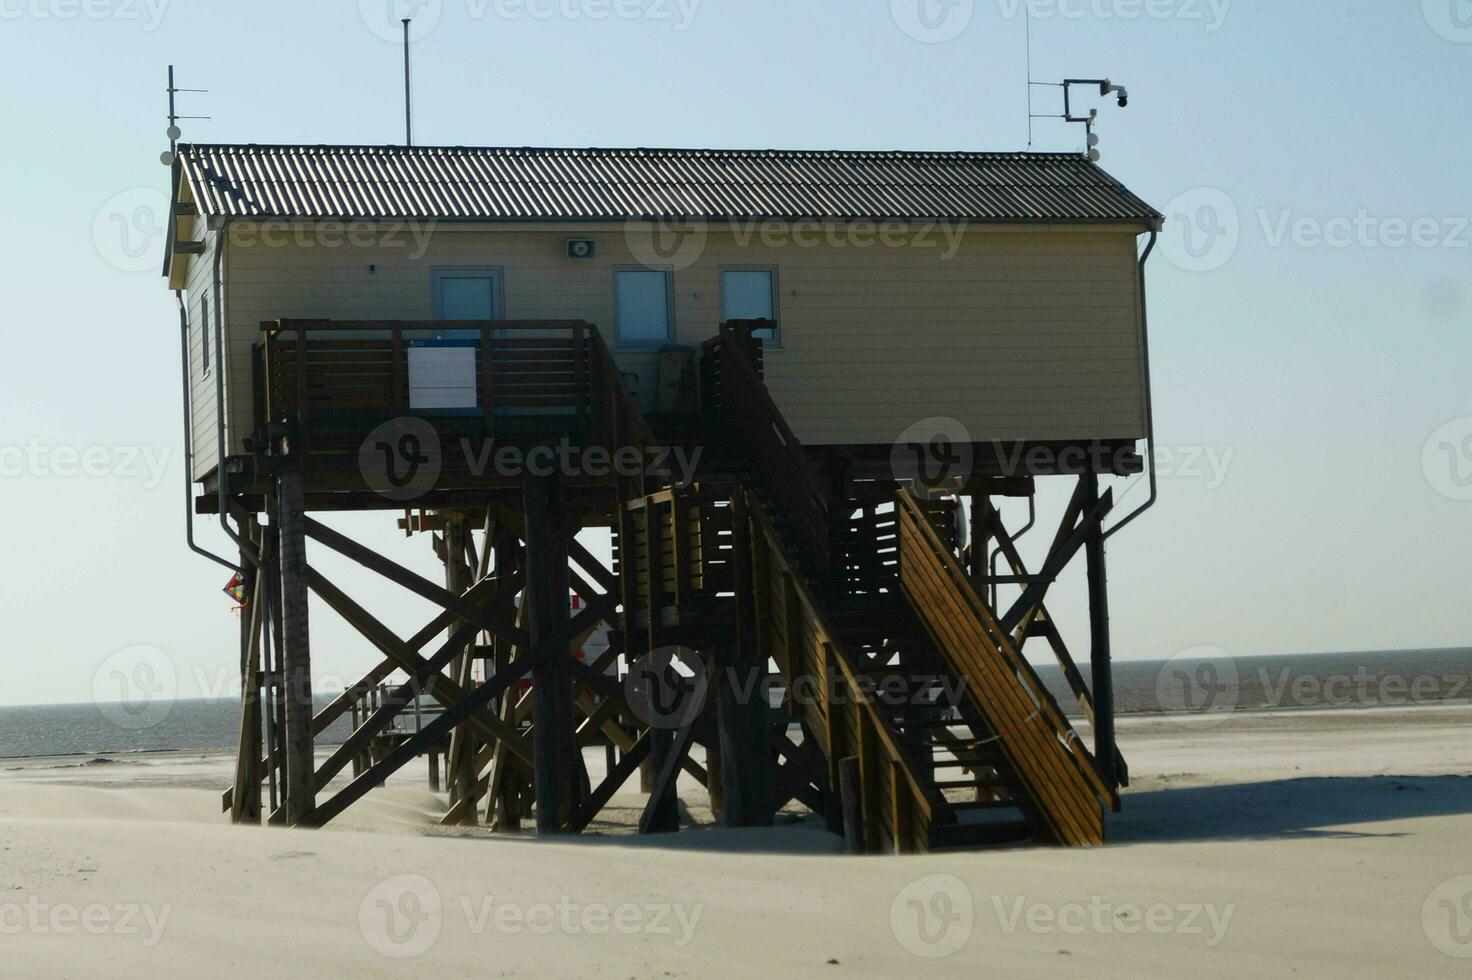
x=319, y=373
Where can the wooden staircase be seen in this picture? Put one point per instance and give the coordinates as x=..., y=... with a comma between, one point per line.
x=956, y=741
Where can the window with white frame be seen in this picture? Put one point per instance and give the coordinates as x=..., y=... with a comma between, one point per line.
x=643, y=302
x=751, y=294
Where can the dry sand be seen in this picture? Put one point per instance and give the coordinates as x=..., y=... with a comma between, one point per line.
x=1311, y=845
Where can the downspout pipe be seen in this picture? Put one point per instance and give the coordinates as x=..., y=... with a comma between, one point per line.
x=189, y=442
x=1149, y=394
x=247, y=549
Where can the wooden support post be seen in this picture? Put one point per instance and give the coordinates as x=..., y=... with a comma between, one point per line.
x=460, y=771
x=503, y=811
x=296, y=654
x=741, y=691
x=553, y=736
x=715, y=780
x=849, y=780
x=663, y=799
x=1106, y=750
x=246, y=803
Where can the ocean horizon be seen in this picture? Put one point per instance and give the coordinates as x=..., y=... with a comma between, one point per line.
x=1197, y=681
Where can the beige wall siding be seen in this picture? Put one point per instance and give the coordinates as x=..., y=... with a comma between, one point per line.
x=1019, y=334
x=203, y=414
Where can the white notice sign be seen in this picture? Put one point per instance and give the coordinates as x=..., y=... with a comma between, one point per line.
x=442, y=377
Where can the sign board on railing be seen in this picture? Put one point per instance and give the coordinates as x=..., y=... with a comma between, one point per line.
x=442, y=375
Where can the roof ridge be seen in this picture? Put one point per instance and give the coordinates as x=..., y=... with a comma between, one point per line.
x=693, y=151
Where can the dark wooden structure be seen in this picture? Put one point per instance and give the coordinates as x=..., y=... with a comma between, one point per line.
x=901, y=707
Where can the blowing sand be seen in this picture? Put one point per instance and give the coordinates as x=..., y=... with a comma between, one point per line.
x=1325, y=844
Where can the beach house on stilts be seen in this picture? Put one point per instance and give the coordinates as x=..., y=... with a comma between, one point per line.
x=773, y=376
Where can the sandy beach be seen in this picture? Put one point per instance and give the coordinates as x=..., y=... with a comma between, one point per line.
x=1306, y=844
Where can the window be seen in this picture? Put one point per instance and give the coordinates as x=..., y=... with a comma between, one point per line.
x=751, y=294
x=204, y=334
x=643, y=304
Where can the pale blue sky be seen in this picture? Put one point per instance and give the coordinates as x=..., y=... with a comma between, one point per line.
x=1322, y=370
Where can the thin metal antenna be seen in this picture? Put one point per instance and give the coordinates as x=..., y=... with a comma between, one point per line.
x=174, y=117
x=408, y=100
x=1027, y=15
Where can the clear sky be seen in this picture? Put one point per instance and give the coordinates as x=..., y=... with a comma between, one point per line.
x=1310, y=303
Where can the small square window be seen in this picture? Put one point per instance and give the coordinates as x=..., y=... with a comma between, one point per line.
x=642, y=298
x=751, y=294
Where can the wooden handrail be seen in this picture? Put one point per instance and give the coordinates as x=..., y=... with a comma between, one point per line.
x=1059, y=769
x=783, y=568
x=775, y=449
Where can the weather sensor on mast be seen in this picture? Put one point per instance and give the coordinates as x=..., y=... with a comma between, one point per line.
x=1106, y=88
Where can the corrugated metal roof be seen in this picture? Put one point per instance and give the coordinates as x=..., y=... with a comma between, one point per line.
x=533, y=184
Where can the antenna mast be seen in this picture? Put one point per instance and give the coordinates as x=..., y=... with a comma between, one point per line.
x=408, y=100
x=173, y=131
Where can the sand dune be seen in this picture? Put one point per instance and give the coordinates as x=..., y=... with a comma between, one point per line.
x=1324, y=844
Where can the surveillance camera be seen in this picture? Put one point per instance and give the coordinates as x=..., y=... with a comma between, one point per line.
x=1124, y=99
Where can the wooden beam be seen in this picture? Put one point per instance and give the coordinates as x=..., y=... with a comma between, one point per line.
x=554, y=739
x=633, y=757
x=419, y=743
x=1106, y=752
x=297, y=650
x=663, y=798
x=1033, y=595
x=850, y=792
x=437, y=684
x=245, y=804
x=502, y=624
